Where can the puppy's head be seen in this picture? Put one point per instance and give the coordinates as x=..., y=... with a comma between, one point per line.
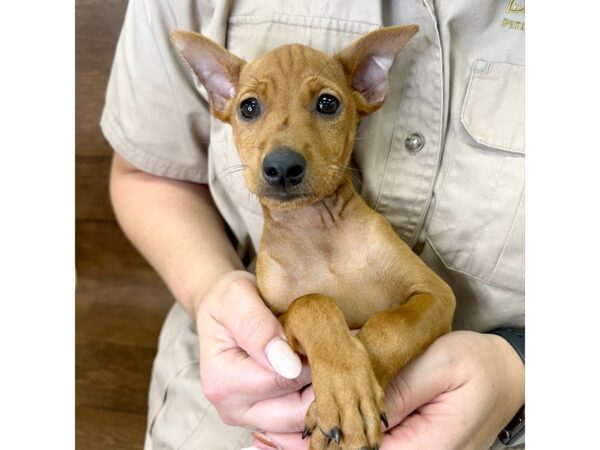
x=294, y=111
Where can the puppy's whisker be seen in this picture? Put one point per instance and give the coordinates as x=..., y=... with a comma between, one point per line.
x=346, y=174
x=343, y=169
x=231, y=172
x=340, y=176
x=232, y=169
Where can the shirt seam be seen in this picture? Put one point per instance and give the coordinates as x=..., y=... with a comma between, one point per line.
x=175, y=375
x=391, y=149
x=274, y=18
x=481, y=280
x=488, y=213
x=200, y=420
x=512, y=227
x=164, y=66
x=143, y=160
x=440, y=151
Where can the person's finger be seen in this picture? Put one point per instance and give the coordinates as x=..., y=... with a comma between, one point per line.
x=416, y=384
x=405, y=435
x=280, y=415
x=235, y=376
x=286, y=441
x=254, y=327
x=444, y=419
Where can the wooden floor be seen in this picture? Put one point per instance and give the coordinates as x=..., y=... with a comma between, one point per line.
x=120, y=301
x=120, y=307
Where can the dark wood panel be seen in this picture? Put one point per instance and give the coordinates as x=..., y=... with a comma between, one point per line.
x=138, y=295
x=98, y=24
x=112, y=376
x=85, y=296
x=100, y=429
x=121, y=313
x=103, y=252
x=97, y=27
x=92, y=198
x=120, y=301
x=89, y=102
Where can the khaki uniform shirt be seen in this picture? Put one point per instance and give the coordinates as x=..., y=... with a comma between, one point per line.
x=457, y=88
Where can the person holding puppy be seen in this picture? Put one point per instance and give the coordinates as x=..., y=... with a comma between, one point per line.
x=442, y=160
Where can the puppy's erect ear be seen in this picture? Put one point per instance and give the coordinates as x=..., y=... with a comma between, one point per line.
x=217, y=69
x=367, y=62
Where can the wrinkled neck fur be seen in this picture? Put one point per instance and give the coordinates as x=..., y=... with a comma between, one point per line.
x=323, y=214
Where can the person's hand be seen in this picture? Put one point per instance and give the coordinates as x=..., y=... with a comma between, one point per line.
x=248, y=371
x=457, y=395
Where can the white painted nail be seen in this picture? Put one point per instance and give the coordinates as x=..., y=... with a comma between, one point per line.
x=283, y=359
x=250, y=448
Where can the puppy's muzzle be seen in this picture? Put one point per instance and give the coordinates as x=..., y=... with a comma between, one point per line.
x=283, y=168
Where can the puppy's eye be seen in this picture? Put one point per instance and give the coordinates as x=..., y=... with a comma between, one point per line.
x=250, y=108
x=327, y=104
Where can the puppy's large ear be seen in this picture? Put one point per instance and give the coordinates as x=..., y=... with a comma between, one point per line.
x=217, y=69
x=367, y=62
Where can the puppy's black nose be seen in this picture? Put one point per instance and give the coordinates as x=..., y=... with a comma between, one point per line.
x=283, y=168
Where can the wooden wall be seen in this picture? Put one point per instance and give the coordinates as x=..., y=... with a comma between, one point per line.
x=120, y=301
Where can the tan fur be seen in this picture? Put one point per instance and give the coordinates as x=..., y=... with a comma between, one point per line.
x=327, y=262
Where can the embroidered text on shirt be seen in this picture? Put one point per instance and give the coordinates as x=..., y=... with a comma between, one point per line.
x=514, y=8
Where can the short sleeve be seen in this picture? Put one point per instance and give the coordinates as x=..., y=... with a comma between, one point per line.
x=154, y=115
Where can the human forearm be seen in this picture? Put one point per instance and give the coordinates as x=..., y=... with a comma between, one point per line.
x=177, y=228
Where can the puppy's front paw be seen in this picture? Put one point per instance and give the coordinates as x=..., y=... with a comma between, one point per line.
x=349, y=402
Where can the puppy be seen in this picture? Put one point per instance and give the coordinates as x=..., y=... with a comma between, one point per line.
x=327, y=262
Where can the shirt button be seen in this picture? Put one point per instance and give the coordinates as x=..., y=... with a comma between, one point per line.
x=414, y=142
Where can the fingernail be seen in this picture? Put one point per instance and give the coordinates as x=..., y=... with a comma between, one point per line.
x=283, y=359
x=250, y=448
x=264, y=439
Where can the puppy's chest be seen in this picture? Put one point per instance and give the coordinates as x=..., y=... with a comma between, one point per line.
x=356, y=273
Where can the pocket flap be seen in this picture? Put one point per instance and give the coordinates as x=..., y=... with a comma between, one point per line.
x=493, y=111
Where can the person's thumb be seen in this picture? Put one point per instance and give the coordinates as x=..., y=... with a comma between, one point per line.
x=416, y=384
x=255, y=329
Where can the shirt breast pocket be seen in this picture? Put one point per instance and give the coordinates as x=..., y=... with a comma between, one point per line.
x=477, y=227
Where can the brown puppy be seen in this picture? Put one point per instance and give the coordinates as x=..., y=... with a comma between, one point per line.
x=327, y=262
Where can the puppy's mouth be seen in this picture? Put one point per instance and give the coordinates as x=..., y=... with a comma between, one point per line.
x=285, y=196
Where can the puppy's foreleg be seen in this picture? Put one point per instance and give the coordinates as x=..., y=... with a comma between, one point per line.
x=348, y=399
x=397, y=335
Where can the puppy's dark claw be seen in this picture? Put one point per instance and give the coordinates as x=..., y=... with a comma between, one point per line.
x=384, y=419
x=335, y=435
x=305, y=433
